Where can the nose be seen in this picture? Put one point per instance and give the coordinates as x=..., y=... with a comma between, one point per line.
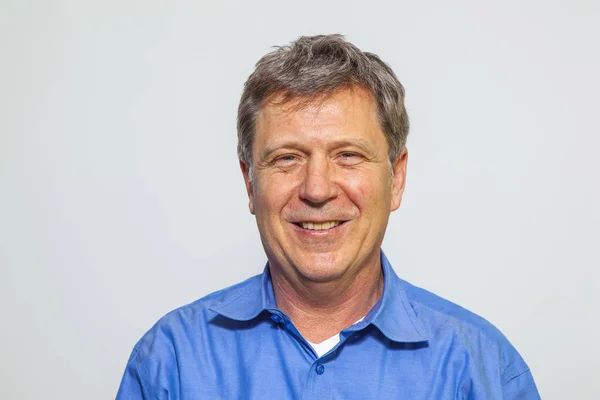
x=318, y=185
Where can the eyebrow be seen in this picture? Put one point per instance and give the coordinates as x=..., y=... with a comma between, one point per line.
x=364, y=145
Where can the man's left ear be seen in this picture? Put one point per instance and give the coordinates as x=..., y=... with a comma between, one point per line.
x=399, y=179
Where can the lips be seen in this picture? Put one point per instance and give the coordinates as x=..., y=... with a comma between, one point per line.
x=319, y=226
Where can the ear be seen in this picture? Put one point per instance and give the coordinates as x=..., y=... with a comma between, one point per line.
x=399, y=179
x=246, y=172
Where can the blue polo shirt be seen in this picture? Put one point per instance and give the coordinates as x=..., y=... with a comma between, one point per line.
x=236, y=344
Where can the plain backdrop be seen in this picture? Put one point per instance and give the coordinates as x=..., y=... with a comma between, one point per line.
x=121, y=197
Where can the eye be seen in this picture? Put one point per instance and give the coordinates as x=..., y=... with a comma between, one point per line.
x=349, y=158
x=286, y=160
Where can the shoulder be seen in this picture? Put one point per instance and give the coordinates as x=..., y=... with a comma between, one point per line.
x=446, y=319
x=189, y=320
x=439, y=311
x=178, y=340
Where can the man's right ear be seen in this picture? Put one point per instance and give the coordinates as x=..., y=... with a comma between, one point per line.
x=248, y=182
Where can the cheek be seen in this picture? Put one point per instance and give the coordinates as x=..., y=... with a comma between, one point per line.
x=360, y=195
x=272, y=194
x=370, y=193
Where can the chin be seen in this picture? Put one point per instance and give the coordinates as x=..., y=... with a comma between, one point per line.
x=321, y=267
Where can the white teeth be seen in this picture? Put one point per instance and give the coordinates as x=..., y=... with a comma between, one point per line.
x=316, y=226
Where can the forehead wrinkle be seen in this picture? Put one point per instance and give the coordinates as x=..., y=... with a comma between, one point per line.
x=336, y=116
x=305, y=114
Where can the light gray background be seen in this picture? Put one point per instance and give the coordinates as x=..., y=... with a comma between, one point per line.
x=121, y=197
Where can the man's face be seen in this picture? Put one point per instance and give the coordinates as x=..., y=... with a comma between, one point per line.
x=322, y=189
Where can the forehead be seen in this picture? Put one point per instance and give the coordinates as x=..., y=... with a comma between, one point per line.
x=347, y=112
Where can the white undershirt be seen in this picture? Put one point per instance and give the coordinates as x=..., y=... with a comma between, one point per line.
x=326, y=345
x=322, y=348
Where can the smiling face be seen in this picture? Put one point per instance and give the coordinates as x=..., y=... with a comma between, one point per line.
x=322, y=189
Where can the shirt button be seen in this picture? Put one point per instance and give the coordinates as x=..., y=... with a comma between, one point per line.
x=276, y=318
x=320, y=369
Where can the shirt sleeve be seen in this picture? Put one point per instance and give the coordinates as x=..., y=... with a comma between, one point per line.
x=131, y=385
x=521, y=387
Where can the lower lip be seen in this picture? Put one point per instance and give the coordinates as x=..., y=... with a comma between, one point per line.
x=321, y=232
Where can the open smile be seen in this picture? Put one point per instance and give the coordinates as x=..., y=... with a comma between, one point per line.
x=319, y=226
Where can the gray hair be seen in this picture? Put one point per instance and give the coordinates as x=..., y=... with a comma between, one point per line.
x=313, y=66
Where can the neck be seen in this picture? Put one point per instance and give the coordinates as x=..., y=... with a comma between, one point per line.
x=320, y=310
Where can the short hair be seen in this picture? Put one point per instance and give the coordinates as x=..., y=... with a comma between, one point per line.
x=314, y=66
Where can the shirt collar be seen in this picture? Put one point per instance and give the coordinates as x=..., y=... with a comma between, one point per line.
x=393, y=314
x=247, y=300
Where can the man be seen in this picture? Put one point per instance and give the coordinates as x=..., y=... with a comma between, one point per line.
x=322, y=130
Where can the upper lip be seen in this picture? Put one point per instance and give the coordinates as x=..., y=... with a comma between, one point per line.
x=319, y=221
